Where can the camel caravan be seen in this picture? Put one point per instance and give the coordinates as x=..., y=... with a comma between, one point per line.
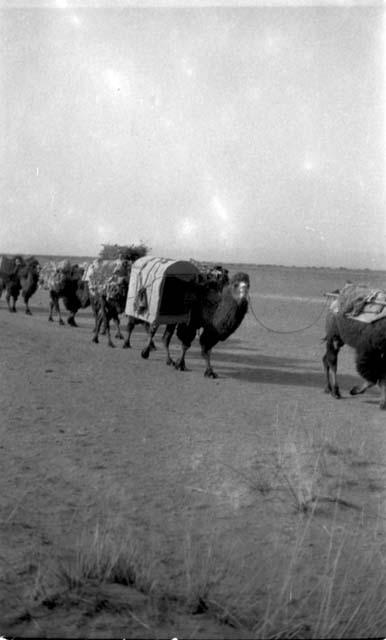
x=191, y=298
x=186, y=296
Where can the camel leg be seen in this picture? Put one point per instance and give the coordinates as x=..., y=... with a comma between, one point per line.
x=109, y=340
x=107, y=326
x=209, y=373
x=103, y=318
x=130, y=327
x=95, y=311
x=106, y=315
x=186, y=334
x=358, y=389
x=26, y=302
x=95, y=320
x=11, y=307
x=150, y=346
x=151, y=343
x=166, y=338
x=12, y=291
x=54, y=304
x=118, y=326
x=330, y=364
x=180, y=363
x=208, y=340
x=98, y=324
x=382, y=386
x=50, y=312
x=71, y=319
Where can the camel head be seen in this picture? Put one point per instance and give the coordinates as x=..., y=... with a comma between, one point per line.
x=239, y=286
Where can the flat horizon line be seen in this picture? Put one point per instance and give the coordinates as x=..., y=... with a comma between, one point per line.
x=62, y=256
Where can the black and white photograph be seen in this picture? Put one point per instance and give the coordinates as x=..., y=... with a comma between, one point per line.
x=193, y=319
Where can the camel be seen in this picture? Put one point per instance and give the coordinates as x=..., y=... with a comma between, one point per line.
x=28, y=275
x=24, y=278
x=217, y=310
x=108, y=306
x=107, y=284
x=368, y=339
x=217, y=274
x=66, y=284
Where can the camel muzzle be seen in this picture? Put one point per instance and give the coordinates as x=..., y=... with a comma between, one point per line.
x=243, y=290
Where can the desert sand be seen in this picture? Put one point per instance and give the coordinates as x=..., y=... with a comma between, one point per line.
x=250, y=505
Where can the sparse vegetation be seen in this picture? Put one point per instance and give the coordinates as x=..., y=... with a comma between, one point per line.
x=129, y=252
x=348, y=599
x=254, y=597
x=106, y=558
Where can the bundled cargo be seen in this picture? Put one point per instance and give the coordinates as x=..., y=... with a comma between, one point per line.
x=211, y=272
x=53, y=272
x=360, y=302
x=46, y=274
x=102, y=275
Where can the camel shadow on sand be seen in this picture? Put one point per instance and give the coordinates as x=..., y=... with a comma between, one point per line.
x=258, y=368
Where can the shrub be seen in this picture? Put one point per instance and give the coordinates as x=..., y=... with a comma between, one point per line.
x=129, y=252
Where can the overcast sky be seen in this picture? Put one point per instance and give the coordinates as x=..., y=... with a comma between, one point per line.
x=253, y=134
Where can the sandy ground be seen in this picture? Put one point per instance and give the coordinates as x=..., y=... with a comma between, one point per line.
x=190, y=468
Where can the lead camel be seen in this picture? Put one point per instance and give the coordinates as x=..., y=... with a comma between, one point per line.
x=217, y=310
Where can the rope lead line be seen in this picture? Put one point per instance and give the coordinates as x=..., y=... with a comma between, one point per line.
x=308, y=326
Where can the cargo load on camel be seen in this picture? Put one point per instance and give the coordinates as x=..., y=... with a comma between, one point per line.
x=53, y=271
x=7, y=266
x=102, y=275
x=46, y=274
x=107, y=282
x=160, y=290
x=359, y=302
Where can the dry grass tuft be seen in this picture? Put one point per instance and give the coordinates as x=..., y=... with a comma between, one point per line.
x=325, y=578
x=106, y=558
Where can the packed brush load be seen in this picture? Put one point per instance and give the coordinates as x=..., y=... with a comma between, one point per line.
x=53, y=271
x=102, y=276
x=211, y=272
